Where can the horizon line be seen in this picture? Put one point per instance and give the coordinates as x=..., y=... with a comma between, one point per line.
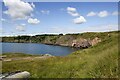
x=56, y=33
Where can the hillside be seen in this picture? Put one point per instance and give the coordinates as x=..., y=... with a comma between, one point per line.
x=98, y=61
x=83, y=40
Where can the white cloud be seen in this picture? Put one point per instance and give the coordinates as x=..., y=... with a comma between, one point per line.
x=115, y=13
x=96, y=28
x=2, y=19
x=18, y=9
x=103, y=14
x=32, y=5
x=33, y=21
x=45, y=11
x=72, y=11
x=74, y=14
x=102, y=28
x=20, y=28
x=79, y=20
x=91, y=13
x=23, y=24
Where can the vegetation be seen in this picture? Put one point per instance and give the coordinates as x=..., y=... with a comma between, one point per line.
x=16, y=55
x=34, y=39
x=99, y=61
x=49, y=38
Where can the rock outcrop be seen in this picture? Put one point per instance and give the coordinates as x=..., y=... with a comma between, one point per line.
x=85, y=43
x=81, y=43
x=72, y=40
x=95, y=41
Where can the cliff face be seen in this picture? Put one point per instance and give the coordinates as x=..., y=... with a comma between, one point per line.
x=83, y=40
x=79, y=42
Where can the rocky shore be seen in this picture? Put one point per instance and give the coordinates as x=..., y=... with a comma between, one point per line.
x=79, y=43
x=71, y=40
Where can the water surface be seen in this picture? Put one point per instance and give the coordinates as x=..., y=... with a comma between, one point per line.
x=36, y=48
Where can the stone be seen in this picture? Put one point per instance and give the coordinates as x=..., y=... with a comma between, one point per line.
x=95, y=41
x=48, y=55
x=81, y=43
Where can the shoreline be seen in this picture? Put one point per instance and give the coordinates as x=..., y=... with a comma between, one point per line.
x=96, y=61
x=42, y=43
x=49, y=44
x=43, y=53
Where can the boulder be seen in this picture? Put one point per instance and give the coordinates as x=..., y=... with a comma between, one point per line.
x=95, y=41
x=18, y=75
x=85, y=43
x=81, y=43
x=48, y=55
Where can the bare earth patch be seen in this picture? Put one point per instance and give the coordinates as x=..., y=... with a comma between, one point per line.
x=25, y=58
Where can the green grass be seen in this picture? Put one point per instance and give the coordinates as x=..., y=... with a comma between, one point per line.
x=99, y=61
x=15, y=55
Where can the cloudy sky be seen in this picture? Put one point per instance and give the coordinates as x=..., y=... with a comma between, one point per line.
x=20, y=17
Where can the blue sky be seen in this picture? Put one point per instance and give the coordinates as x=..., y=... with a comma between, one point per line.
x=72, y=0
x=58, y=17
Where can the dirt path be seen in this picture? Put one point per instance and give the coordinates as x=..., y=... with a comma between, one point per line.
x=25, y=58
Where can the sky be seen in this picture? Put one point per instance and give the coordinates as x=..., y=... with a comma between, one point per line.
x=72, y=0
x=30, y=18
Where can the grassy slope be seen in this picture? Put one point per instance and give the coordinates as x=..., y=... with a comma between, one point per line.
x=97, y=61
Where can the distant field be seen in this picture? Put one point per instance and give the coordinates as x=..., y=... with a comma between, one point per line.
x=99, y=61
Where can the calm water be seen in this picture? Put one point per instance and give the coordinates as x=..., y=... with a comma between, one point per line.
x=35, y=48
